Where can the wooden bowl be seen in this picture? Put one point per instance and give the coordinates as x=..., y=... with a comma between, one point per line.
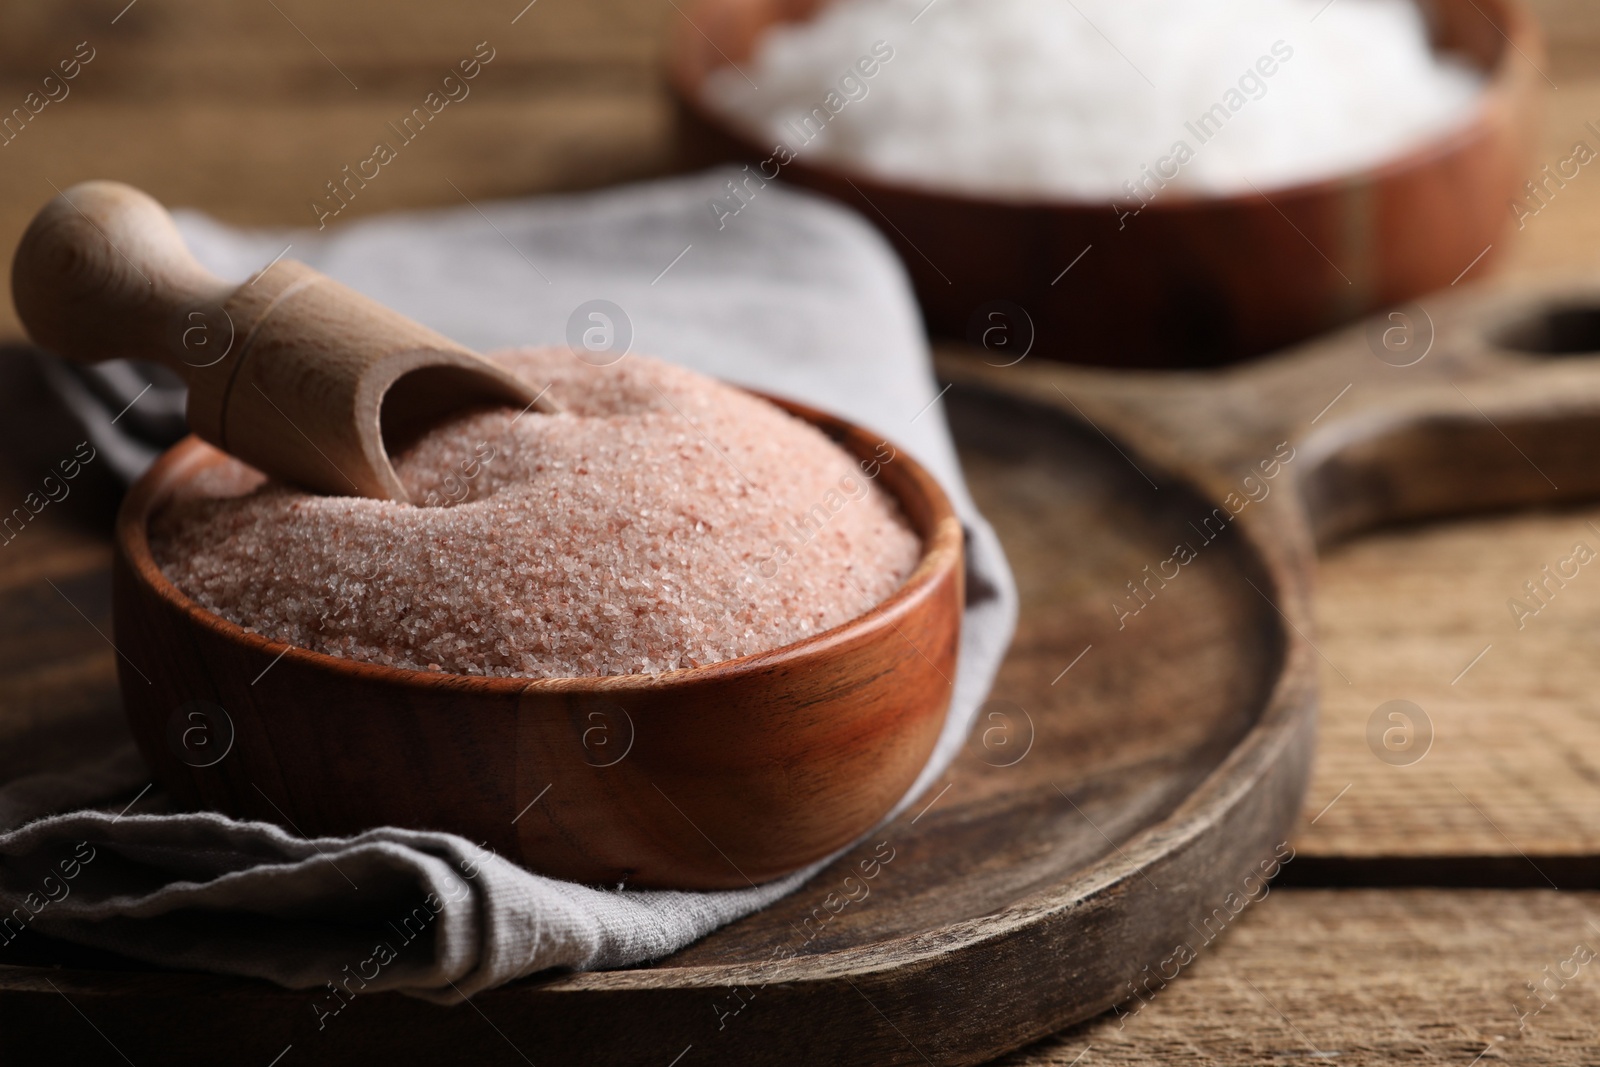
x=1188, y=281
x=710, y=777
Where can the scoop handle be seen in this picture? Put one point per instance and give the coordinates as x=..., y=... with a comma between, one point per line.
x=290, y=372
x=102, y=273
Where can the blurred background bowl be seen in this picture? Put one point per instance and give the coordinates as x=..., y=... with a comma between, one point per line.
x=1189, y=281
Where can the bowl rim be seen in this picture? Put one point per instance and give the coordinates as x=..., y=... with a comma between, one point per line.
x=1514, y=20
x=942, y=553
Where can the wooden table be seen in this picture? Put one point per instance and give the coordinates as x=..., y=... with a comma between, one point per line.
x=1425, y=898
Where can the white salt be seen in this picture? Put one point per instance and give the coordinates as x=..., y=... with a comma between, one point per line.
x=664, y=520
x=1073, y=98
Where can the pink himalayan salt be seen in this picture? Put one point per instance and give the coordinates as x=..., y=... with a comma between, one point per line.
x=652, y=525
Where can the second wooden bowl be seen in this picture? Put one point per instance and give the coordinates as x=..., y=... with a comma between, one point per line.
x=1194, y=280
x=711, y=777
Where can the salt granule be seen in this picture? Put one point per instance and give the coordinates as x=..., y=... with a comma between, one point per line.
x=663, y=520
x=1074, y=98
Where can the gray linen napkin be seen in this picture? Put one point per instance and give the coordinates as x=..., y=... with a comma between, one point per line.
x=793, y=296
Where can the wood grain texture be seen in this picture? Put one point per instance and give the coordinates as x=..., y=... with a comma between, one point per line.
x=243, y=110
x=1413, y=977
x=1515, y=762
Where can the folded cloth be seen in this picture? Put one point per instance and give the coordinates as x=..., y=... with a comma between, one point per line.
x=793, y=296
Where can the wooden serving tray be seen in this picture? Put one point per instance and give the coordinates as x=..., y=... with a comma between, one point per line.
x=1135, y=775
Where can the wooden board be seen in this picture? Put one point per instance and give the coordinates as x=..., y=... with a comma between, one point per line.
x=1505, y=792
x=1515, y=763
x=1419, y=977
x=1104, y=804
x=1153, y=723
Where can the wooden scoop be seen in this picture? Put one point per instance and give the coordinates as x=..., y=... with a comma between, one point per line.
x=290, y=372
